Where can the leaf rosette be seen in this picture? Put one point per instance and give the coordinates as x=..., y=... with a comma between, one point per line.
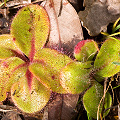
x=28, y=70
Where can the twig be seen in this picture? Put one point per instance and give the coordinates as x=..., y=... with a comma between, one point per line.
x=2, y=110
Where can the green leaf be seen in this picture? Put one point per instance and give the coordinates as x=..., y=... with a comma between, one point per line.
x=16, y=74
x=27, y=100
x=85, y=50
x=6, y=69
x=92, y=98
x=108, y=53
x=47, y=75
x=7, y=47
x=2, y=91
x=74, y=77
x=30, y=29
x=53, y=58
x=47, y=65
x=116, y=28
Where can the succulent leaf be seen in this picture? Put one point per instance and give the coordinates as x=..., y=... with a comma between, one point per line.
x=7, y=47
x=108, y=54
x=16, y=74
x=6, y=69
x=29, y=101
x=53, y=58
x=48, y=70
x=92, y=98
x=3, y=93
x=85, y=50
x=47, y=75
x=30, y=29
x=74, y=77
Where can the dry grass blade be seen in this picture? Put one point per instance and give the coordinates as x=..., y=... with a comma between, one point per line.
x=102, y=99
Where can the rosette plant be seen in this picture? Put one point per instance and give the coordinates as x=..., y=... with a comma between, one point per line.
x=76, y=77
x=28, y=71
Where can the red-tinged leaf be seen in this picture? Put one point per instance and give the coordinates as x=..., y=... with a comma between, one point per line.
x=47, y=76
x=15, y=75
x=30, y=29
x=85, y=50
x=29, y=100
x=6, y=68
x=48, y=70
x=2, y=91
x=53, y=58
x=75, y=77
x=7, y=47
x=108, y=54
